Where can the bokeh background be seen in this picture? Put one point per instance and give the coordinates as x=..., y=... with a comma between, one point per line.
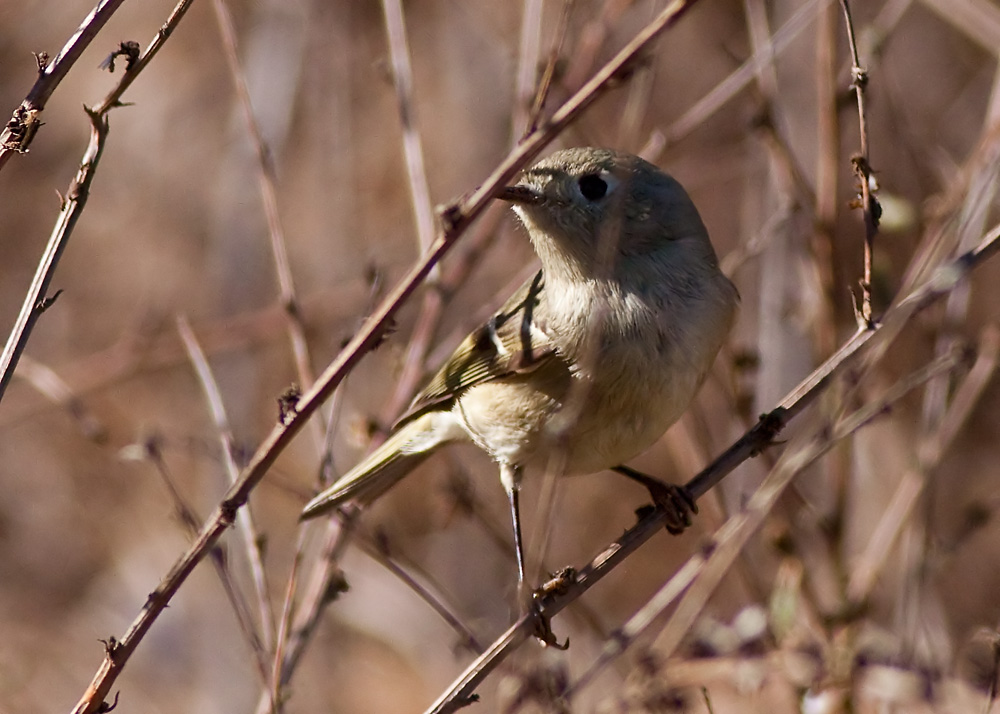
x=106, y=408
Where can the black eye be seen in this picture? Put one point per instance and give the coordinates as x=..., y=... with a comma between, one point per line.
x=593, y=187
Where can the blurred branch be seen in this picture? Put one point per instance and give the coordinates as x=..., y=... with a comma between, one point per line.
x=413, y=153
x=402, y=75
x=456, y=219
x=325, y=585
x=150, y=451
x=978, y=19
x=744, y=74
x=545, y=83
x=79, y=190
x=700, y=576
x=20, y=130
x=45, y=380
x=247, y=527
x=377, y=549
x=266, y=182
x=879, y=548
x=758, y=438
x=529, y=50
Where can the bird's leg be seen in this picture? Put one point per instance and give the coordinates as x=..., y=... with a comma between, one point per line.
x=511, y=478
x=676, y=501
x=513, y=495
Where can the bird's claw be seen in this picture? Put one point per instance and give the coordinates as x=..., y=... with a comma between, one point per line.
x=678, y=506
x=543, y=629
x=677, y=503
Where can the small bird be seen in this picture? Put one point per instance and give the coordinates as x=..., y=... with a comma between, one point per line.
x=588, y=363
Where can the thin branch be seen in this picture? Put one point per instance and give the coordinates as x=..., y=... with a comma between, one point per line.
x=744, y=74
x=379, y=553
x=50, y=384
x=325, y=584
x=545, y=83
x=79, y=189
x=402, y=74
x=133, y=69
x=933, y=447
x=433, y=301
x=529, y=51
x=456, y=219
x=431, y=309
x=20, y=130
x=247, y=527
x=266, y=183
x=863, y=170
x=72, y=207
x=188, y=519
x=759, y=437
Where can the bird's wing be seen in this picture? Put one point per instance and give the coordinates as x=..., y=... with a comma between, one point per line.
x=513, y=341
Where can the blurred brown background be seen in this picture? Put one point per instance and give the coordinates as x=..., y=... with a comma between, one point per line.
x=175, y=227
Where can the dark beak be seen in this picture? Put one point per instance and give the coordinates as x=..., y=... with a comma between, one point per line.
x=521, y=194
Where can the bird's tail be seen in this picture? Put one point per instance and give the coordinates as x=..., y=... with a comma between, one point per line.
x=397, y=456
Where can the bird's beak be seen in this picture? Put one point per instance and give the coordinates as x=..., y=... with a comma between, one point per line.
x=521, y=194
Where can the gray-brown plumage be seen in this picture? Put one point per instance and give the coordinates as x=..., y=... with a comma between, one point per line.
x=593, y=358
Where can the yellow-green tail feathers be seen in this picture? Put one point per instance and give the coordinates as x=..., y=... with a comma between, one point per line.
x=397, y=456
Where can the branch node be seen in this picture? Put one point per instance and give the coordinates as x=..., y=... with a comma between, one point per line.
x=451, y=217
x=46, y=302
x=111, y=646
x=288, y=404
x=22, y=127
x=104, y=707
x=42, y=60
x=859, y=77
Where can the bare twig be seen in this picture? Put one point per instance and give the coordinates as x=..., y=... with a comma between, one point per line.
x=189, y=520
x=269, y=198
x=751, y=443
x=529, y=50
x=44, y=379
x=433, y=300
x=324, y=585
x=863, y=170
x=72, y=206
x=914, y=480
x=79, y=189
x=427, y=322
x=378, y=552
x=247, y=527
x=20, y=130
x=402, y=74
x=545, y=83
x=133, y=70
x=828, y=149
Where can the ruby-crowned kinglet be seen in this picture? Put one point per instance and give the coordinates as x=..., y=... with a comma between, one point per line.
x=588, y=363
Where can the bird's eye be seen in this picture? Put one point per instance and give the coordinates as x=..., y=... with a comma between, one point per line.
x=593, y=187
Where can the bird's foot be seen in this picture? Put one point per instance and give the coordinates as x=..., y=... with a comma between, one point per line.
x=676, y=501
